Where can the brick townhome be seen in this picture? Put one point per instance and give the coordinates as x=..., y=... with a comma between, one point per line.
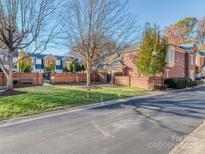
x=200, y=60
x=38, y=61
x=181, y=62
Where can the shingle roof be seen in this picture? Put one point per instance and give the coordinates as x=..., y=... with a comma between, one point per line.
x=131, y=49
x=186, y=47
x=201, y=53
x=116, y=63
x=41, y=56
x=59, y=57
x=38, y=55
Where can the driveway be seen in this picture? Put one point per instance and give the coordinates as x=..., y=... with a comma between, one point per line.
x=151, y=125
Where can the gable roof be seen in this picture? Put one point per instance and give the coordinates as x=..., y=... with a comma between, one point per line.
x=59, y=57
x=38, y=55
x=187, y=47
x=42, y=56
x=202, y=53
x=133, y=48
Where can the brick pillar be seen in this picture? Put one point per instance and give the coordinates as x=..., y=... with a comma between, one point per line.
x=37, y=78
x=77, y=78
x=129, y=80
x=186, y=71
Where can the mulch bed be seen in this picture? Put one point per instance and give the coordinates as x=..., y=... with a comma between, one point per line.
x=11, y=93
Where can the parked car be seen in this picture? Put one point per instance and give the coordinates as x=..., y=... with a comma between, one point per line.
x=200, y=76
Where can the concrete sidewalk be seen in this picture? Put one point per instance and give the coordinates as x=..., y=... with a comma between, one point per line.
x=192, y=144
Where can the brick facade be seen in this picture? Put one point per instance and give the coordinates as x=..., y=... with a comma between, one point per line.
x=181, y=62
x=129, y=60
x=200, y=61
x=184, y=64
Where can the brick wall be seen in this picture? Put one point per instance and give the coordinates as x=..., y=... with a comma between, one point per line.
x=200, y=61
x=2, y=79
x=122, y=80
x=178, y=69
x=37, y=78
x=57, y=78
x=140, y=82
x=183, y=66
x=60, y=78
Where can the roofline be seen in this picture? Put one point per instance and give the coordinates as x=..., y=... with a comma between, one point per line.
x=179, y=49
x=127, y=51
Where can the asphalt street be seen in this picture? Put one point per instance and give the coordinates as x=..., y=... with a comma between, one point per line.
x=151, y=125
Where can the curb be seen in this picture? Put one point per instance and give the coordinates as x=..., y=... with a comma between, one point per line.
x=50, y=114
x=178, y=147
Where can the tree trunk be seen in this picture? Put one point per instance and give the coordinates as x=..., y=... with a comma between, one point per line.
x=88, y=81
x=10, y=73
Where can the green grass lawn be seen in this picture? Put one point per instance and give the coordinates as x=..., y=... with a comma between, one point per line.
x=42, y=99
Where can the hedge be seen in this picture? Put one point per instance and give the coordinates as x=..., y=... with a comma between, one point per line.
x=178, y=83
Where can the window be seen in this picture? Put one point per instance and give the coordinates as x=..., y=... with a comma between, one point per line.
x=1, y=57
x=171, y=57
x=39, y=61
x=15, y=59
x=167, y=71
x=58, y=62
x=192, y=60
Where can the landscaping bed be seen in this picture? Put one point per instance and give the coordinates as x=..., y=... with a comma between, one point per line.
x=11, y=93
x=35, y=100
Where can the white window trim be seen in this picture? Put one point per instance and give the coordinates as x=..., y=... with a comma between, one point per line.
x=32, y=60
x=58, y=62
x=15, y=59
x=191, y=74
x=171, y=57
x=192, y=60
x=39, y=61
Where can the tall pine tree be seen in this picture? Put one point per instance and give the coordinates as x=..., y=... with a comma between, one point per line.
x=153, y=50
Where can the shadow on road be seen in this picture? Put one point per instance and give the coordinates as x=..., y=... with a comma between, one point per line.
x=186, y=104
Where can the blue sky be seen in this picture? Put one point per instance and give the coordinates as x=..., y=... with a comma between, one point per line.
x=161, y=12
x=166, y=12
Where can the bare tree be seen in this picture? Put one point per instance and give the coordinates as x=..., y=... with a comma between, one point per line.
x=27, y=25
x=97, y=29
